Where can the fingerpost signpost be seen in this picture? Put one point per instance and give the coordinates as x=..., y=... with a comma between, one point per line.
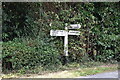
x=65, y=33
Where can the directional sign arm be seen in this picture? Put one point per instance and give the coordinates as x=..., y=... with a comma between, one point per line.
x=74, y=26
x=57, y=32
x=71, y=32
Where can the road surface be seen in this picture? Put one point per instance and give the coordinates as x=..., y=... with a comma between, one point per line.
x=104, y=75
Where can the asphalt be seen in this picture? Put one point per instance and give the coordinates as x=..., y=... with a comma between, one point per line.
x=104, y=75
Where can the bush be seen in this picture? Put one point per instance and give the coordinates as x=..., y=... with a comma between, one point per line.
x=22, y=56
x=107, y=46
x=99, y=38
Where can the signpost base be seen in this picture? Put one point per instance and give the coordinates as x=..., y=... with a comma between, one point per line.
x=65, y=60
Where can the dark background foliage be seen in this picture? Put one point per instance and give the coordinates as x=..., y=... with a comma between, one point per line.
x=28, y=44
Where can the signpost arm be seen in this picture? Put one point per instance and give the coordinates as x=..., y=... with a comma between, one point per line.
x=65, y=33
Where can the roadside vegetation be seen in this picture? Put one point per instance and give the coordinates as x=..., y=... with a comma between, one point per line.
x=72, y=70
x=28, y=48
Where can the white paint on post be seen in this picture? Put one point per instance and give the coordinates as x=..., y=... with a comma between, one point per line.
x=74, y=26
x=71, y=32
x=66, y=42
x=57, y=32
x=65, y=33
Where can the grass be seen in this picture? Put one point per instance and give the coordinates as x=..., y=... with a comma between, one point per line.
x=78, y=72
x=72, y=70
x=91, y=71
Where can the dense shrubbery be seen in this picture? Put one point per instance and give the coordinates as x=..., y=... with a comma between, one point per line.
x=27, y=56
x=99, y=39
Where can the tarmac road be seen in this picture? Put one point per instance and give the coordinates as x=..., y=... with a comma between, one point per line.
x=104, y=75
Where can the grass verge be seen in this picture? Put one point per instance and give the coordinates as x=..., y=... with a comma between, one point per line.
x=69, y=71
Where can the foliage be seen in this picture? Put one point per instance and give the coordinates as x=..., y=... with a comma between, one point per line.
x=28, y=56
x=107, y=34
x=99, y=39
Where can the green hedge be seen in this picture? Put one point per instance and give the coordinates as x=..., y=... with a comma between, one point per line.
x=99, y=38
x=23, y=56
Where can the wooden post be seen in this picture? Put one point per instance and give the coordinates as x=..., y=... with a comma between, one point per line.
x=65, y=33
x=66, y=42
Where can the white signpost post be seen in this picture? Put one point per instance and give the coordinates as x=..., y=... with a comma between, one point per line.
x=65, y=33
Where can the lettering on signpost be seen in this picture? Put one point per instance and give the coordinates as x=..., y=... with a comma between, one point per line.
x=74, y=26
x=57, y=32
x=71, y=32
x=65, y=33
